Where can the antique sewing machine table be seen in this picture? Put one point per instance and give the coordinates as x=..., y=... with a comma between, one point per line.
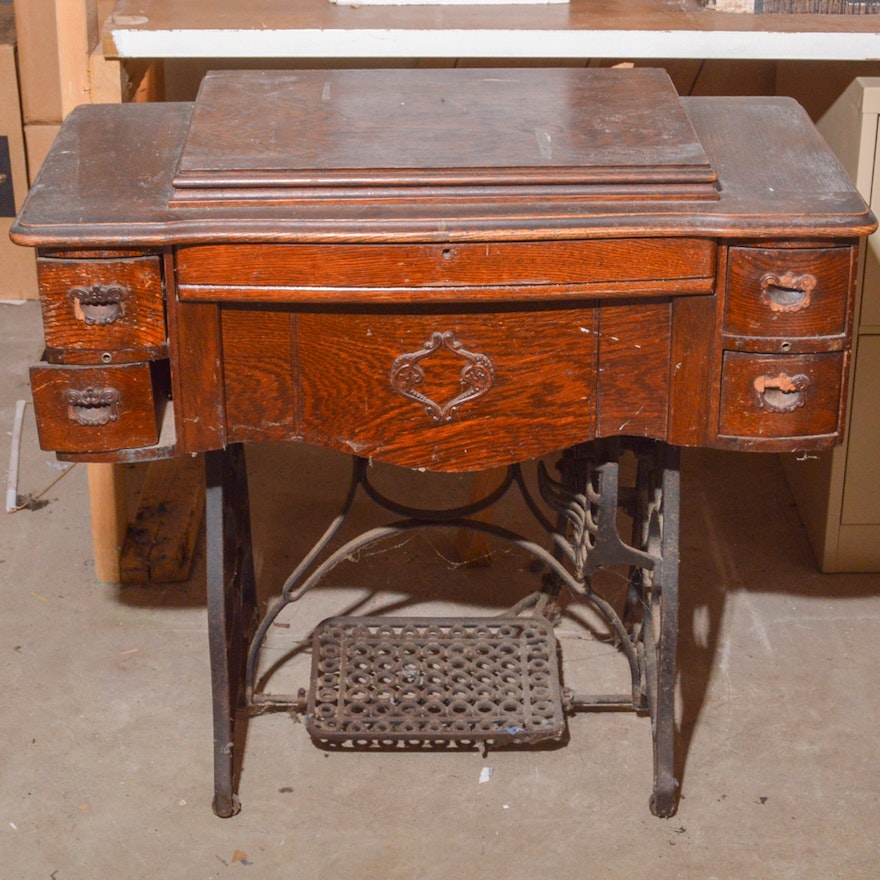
x=448, y=270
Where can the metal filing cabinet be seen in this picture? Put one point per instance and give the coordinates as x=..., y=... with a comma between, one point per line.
x=838, y=493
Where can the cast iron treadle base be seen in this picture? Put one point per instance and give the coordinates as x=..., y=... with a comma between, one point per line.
x=434, y=681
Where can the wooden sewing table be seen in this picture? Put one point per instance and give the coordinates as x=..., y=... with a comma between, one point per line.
x=448, y=270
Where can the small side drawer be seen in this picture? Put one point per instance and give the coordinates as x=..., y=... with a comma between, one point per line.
x=95, y=409
x=788, y=292
x=772, y=396
x=102, y=305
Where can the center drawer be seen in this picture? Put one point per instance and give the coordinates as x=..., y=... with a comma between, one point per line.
x=301, y=273
x=438, y=390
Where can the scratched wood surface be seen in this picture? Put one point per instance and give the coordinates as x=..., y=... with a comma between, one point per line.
x=105, y=184
x=528, y=315
x=440, y=127
x=140, y=324
x=492, y=271
x=560, y=377
x=542, y=397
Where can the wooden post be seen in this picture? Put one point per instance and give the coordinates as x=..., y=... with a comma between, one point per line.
x=77, y=24
x=109, y=518
x=473, y=547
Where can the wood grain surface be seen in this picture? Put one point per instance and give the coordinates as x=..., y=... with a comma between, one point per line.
x=140, y=324
x=459, y=305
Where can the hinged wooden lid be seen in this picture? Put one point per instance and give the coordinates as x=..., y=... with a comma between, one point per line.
x=279, y=136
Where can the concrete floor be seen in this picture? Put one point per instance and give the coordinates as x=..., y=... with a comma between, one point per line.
x=106, y=728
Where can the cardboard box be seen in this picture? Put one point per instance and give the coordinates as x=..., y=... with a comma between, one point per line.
x=18, y=274
x=37, y=41
x=37, y=140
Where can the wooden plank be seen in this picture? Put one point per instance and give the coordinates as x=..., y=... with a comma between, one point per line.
x=38, y=140
x=146, y=82
x=160, y=543
x=473, y=548
x=107, y=82
x=85, y=75
x=76, y=22
x=634, y=354
x=19, y=275
x=107, y=503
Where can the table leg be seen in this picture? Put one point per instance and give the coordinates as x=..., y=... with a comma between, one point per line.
x=232, y=611
x=660, y=518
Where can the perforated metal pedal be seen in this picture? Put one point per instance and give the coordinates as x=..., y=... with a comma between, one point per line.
x=423, y=681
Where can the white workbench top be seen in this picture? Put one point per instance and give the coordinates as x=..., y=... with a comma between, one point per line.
x=624, y=29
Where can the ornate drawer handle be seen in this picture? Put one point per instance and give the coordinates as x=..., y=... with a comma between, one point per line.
x=788, y=292
x=782, y=393
x=92, y=407
x=476, y=376
x=98, y=305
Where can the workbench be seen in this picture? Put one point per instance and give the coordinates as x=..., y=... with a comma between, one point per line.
x=580, y=29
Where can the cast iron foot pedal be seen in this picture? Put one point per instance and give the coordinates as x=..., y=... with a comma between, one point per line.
x=434, y=681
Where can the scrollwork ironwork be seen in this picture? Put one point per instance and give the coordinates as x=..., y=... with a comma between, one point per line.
x=591, y=540
x=586, y=500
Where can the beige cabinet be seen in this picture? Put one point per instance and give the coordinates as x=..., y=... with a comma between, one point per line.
x=838, y=493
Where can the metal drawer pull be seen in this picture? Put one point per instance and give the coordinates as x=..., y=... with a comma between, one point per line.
x=787, y=292
x=98, y=305
x=475, y=379
x=782, y=393
x=92, y=407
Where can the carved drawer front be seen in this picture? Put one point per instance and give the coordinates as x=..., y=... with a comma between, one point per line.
x=95, y=409
x=448, y=391
x=788, y=292
x=451, y=271
x=93, y=307
x=775, y=396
